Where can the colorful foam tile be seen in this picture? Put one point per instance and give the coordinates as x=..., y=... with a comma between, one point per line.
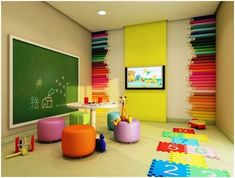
x=191, y=159
x=196, y=171
x=160, y=168
x=170, y=134
x=185, y=141
x=202, y=150
x=183, y=130
x=168, y=147
x=200, y=137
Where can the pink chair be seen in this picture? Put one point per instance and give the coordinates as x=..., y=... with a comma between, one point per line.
x=127, y=132
x=50, y=129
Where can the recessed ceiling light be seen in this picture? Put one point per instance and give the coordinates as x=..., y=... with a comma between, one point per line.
x=102, y=12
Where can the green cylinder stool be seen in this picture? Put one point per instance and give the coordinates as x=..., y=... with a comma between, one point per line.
x=111, y=117
x=79, y=118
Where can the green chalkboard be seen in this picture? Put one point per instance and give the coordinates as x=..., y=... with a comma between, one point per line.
x=43, y=80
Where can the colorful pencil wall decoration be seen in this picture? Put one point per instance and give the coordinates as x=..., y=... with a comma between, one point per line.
x=100, y=70
x=202, y=68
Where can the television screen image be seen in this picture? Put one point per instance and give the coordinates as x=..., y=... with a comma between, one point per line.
x=145, y=77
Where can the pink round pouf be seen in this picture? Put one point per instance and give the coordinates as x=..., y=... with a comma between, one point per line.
x=50, y=129
x=127, y=132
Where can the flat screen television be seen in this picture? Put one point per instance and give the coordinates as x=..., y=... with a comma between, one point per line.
x=152, y=77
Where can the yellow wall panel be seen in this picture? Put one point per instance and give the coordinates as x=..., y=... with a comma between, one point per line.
x=145, y=45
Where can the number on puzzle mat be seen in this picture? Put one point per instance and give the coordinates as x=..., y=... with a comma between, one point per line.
x=204, y=172
x=167, y=147
x=185, y=141
x=160, y=168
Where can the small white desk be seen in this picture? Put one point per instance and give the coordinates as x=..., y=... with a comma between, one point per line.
x=92, y=108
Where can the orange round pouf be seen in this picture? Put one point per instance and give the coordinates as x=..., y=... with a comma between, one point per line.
x=78, y=140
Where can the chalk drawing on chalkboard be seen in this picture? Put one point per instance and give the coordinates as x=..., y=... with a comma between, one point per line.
x=47, y=102
x=36, y=68
x=39, y=83
x=51, y=92
x=34, y=102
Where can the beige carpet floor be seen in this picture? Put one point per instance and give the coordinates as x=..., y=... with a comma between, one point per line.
x=119, y=159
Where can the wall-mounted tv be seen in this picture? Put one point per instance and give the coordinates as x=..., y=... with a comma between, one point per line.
x=152, y=77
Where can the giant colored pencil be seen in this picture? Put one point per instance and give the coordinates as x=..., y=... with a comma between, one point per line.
x=202, y=32
x=205, y=64
x=203, y=46
x=203, y=108
x=206, y=52
x=99, y=35
x=202, y=35
x=203, y=73
x=202, y=61
x=204, y=88
x=101, y=32
x=202, y=21
x=202, y=17
x=205, y=56
x=202, y=26
x=100, y=69
x=203, y=29
x=197, y=79
x=202, y=68
x=202, y=81
x=99, y=42
x=204, y=49
x=202, y=112
x=99, y=39
x=100, y=47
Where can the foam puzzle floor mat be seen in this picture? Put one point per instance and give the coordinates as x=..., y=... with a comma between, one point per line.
x=186, y=157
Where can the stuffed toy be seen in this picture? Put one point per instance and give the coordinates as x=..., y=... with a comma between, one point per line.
x=123, y=115
x=100, y=144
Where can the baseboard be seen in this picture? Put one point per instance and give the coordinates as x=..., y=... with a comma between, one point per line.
x=11, y=138
x=174, y=120
x=27, y=134
x=228, y=134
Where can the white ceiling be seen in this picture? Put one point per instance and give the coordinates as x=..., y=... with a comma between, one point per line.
x=124, y=13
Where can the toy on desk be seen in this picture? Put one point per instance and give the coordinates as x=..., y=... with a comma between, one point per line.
x=197, y=124
x=19, y=144
x=123, y=116
x=100, y=144
x=22, y=152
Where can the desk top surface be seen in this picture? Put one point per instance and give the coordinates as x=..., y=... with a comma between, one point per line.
x=92, y=106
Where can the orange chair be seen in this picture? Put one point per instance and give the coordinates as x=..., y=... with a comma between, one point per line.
x=78, y=140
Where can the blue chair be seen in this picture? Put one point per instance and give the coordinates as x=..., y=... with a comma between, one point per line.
x=111, y=117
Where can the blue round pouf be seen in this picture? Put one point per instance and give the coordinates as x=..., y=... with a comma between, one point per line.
x=111, y=117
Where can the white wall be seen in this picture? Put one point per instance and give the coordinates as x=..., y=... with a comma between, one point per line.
x=225, y=69
x=41, y=23
x=115, y=59
x=178, y=55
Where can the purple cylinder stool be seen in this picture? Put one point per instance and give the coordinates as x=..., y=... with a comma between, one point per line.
x=127, y=132
x=50, y=129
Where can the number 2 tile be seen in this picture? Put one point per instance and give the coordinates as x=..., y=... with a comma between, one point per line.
x=161, y=168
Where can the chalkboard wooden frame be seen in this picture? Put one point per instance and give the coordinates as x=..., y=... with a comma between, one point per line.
x=11, y=53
